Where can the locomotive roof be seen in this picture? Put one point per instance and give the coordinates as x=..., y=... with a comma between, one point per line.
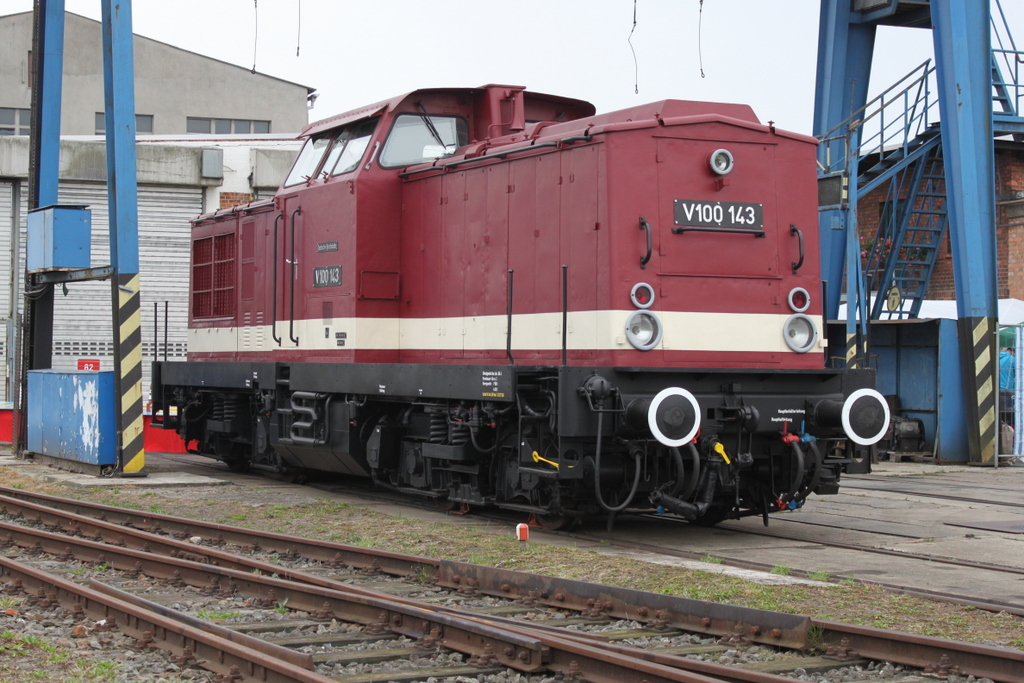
x=583, y=107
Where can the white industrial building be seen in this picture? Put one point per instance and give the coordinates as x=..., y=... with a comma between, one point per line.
x=181, y=174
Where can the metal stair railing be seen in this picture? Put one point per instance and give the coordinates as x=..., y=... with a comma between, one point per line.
x=910, y=240
x=889, y=124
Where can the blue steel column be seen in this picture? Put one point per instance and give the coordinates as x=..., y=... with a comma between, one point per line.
x=964, y=69
x=46, y=123
x=36, y=340
x=119, y=91
x=845, y=50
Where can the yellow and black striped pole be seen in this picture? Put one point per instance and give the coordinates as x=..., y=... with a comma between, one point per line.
x=128, y=366
x=123, y=213
x=979, y=360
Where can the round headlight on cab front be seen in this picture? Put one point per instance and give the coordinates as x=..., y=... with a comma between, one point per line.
x=800, y=333
x=721, y=161
x=643, y=330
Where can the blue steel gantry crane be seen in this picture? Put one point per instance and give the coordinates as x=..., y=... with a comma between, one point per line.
x=940, y=171
x=119, y=98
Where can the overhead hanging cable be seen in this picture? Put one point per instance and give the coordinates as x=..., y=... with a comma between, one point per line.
x=636, y=69
x=256, y=32
x=700, y=23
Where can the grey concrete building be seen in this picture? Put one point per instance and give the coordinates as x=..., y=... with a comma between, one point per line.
x=176, y=91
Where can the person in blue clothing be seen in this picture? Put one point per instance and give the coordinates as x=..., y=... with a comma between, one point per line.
x=1007, y=375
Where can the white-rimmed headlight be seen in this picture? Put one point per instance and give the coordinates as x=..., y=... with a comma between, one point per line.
x=721, y=161
x=800, y=333
x=643, y=330
x=799, y=299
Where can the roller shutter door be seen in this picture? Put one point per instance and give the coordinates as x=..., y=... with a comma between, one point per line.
x=7, y=221
x=82, y=319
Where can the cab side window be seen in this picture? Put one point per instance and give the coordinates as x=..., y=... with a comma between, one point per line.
x=416, y=138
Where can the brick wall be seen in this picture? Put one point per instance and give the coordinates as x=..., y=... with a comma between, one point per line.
x=1009, y=230
x=229, y=199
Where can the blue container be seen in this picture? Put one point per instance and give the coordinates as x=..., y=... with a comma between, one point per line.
x=59, y=238
x=71, y=415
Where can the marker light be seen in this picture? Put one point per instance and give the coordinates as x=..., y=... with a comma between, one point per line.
x=721, y=161
x=642, y=295
x=799, y=299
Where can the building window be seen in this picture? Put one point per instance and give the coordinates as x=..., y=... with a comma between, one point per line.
x=195, y=124
x=143, y=123
x=15, y=121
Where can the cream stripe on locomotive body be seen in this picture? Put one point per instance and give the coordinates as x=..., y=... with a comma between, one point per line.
x=497, y=297
x=751, y=333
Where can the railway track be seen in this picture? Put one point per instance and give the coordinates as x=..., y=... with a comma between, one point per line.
x=782, y=529
x=357, y=614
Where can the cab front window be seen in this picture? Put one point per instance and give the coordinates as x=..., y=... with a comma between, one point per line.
x=416, y=138
x=349, y=146
x=308, y=160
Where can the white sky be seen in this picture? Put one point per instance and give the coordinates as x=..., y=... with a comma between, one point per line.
x=758, y=52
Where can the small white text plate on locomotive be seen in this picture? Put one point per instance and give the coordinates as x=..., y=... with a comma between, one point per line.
x=702, y=214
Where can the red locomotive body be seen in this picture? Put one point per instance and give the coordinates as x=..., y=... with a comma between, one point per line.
x=496, y=297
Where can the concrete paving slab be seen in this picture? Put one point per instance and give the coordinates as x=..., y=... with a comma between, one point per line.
x=153, y=478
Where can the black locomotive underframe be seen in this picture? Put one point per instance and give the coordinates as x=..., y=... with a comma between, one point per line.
x=522, y=437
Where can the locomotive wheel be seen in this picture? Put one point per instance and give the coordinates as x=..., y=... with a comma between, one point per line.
x=237, y=465
x=238, y=460
x=714, y=515
x=557, y=522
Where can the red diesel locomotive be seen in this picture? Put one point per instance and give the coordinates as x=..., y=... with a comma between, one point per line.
x=496, y=297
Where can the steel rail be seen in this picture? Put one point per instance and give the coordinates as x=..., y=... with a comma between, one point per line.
x=188, y=643
x=388, y=615
x=285, y=654
x=457, y=576
x=941, y=496
x=935, y=655
x=762, y=626
x=395, y=564
x=521, y=651
x=605, y=601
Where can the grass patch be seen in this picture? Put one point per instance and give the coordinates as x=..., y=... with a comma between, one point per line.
x=208, y=614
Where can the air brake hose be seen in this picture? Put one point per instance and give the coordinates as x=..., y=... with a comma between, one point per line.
x=806, y=491
x=597, y=474
x=677, y=460
x=799, y=472
x=690, y=511
x=691, y=486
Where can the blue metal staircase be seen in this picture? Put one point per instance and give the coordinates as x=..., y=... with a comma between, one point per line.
x=900, y=260
x=894, y=140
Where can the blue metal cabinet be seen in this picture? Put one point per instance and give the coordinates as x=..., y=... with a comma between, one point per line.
x=59, y=237
x=71, y=415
